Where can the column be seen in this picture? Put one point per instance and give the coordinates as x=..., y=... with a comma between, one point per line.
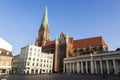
x=34, y=71
x=45, y=70
x=25, y=71
x=107, y=64
x=78, y=67
x=86, y=64
x=38, y=71
x=66, y=67
x=114, y=67
x=101, y=68
x=95, y=67
x=73, y=67
x=70, y=67
x=82, y=67
x=63, y=67
x=6, y=72
x=92, y=67
x=91, y=63
x=30, y=71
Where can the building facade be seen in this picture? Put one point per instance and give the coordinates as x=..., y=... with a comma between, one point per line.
x=64, y=46
x=100, y=63
x=33, y=61
x=15, y=63
x=5, y=57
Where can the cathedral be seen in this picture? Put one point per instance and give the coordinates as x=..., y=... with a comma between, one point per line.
x=65, y=46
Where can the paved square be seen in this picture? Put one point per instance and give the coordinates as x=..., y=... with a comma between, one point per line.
x=59, y=76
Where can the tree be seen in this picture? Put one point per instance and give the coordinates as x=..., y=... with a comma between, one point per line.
x=118, y=49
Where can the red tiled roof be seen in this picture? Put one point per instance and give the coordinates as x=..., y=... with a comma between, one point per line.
x=50, y=44
x=94, y=41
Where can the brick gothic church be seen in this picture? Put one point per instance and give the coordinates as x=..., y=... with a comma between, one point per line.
x=64, y=46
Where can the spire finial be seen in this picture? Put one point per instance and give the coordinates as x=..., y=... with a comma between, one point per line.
x=67, y=35
x=56, y=37
x=45, y=18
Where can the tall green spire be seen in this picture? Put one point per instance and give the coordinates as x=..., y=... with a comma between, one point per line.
x=56, y=37
x=67, y=35
x=45, y=18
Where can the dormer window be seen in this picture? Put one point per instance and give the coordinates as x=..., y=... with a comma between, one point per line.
x=7, y=53
x=94, y=48
x=75, y=50
x=81, y=50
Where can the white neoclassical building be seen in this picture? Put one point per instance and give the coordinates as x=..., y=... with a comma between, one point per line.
x=108, y=63
x=33, y=61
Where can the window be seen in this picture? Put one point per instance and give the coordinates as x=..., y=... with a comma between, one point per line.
x=30, y=53
x=81, y=50
x=40, y=65
x=0, y=51
x=35, y=49
x=44, y=60
x=43, y=70
x=33, y=59
x=7, y=53
x=38, y=50
x=50, y=61
x=34, y=54
x=30, y=49
x=28, y=63
x=45, y=56
x=37, y=59
x=7, y=63
x=1, y=62
x=33, y=64
x=38, y=54
x=94, y=48
x=36, y=64
x=41, y=56
x=75, y=50
x=29, y=58
x=3, y=70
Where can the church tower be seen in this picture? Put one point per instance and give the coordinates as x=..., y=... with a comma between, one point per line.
x=43, y=33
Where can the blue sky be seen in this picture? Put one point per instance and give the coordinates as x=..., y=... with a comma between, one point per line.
x=21, y=19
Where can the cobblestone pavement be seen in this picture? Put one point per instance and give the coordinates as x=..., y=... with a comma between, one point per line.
x=59, y=76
